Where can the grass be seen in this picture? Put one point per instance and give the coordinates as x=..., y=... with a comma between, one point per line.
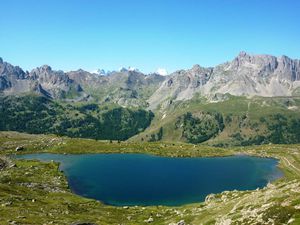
x=244, y=115
x=33, y=192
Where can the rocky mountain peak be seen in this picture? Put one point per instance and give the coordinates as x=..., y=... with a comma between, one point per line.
x=242, y=58
x=286, y=61
x=245, y=61
x=246, y=74
x=46, y=68
x=242, y=54
x=196, y=68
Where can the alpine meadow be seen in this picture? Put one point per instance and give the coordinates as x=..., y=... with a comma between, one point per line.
x=149, y=112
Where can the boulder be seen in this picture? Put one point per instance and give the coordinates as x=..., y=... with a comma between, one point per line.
x=19, y=148
x=149, y=220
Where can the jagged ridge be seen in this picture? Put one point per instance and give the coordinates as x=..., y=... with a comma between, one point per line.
x=246, y=75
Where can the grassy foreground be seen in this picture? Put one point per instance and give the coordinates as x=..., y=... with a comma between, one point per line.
x=32, y=192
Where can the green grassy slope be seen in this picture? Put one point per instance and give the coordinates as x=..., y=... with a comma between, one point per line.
x=36, y=114
x=33, y=192
x=235, y=121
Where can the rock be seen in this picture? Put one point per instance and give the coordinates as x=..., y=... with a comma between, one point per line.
x=246, y=75
x=181, y=222
x=83, y=223
x=19, y=148
x=210, y=198
x=6, y=204
x=149, y=220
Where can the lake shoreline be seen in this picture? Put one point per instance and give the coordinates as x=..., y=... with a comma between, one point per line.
x=68, y=163
x=46, y=187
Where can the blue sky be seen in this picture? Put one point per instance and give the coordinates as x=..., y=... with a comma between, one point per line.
x=147, y=34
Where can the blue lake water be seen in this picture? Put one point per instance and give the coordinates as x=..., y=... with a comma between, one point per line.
x=137, y=179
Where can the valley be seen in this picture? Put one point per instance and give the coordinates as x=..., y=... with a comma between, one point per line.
x=45, y=192
x=149, y=112
x=252, y=99
x=249, y=106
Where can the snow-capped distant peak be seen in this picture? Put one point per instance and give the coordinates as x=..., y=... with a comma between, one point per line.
x=162, y=72
x=100, y=72
x=133, y=69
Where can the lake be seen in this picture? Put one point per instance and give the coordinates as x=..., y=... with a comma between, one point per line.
x=139, y=179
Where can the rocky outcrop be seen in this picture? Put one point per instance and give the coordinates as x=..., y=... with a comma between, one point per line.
x=42, y=80
x=56, y=84
x=12, y=77
x=246, y=75
x=125, y=87
x=181, y=85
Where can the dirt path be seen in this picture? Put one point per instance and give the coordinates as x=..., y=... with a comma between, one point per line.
x=290, y=164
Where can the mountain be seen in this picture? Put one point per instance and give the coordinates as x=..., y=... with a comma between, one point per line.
x=234, y=121
x=127, y=87
x=101, y=72
x=41, y=115
x=253, y=99
x=246, y=75
x=42, y=80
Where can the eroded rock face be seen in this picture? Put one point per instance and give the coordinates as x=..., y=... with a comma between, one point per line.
x=42, y=80
x=52, y=83
x=11, y=76
x=181, y=85
x=246, y=75
x=125, y=87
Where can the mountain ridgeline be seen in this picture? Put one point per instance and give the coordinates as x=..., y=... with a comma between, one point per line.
x=246, y=75
x=253, y=99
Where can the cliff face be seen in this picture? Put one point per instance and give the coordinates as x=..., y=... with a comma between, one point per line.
x=246, y=75
x=42, y=80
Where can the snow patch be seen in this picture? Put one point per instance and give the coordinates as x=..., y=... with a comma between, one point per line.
x=162, y=71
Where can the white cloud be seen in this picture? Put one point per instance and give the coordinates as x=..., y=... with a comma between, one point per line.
x=162, y=71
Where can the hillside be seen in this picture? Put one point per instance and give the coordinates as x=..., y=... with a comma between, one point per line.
x=253, y=99
x=40, y=115
x=232, y=121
